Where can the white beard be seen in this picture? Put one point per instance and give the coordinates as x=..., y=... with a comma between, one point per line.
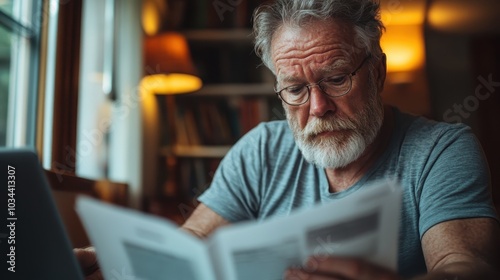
x=352, y=135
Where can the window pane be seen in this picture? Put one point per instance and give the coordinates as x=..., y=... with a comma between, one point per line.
x=5, y=45
x=18, y=72
x=6, y=6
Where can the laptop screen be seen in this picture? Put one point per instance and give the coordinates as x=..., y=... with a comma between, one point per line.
x=33, y=240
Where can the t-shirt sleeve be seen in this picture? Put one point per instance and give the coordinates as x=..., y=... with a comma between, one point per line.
x=233, y=192
x=455, y=180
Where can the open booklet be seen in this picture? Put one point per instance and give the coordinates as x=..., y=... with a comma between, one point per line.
x=135, y=246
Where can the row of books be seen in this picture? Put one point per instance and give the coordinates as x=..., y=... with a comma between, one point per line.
x=220, y=121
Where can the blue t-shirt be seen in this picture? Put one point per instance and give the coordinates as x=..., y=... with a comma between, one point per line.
x=440, y=166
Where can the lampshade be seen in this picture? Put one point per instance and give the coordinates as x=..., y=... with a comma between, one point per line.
x=169, y=69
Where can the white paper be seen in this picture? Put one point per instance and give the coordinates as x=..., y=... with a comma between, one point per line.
x=135, y=246
x=364, y=224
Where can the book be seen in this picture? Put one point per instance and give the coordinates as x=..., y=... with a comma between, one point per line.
x=132, y=244
x=192, y=128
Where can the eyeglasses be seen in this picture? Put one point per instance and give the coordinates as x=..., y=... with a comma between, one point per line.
x=334, y=86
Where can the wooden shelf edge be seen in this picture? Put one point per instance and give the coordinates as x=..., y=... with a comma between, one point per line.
x=196, y=151
x=236, y=89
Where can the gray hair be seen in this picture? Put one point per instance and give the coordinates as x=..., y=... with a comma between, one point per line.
x=363, y=14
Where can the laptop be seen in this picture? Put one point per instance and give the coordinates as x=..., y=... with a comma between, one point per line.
x=33, y=240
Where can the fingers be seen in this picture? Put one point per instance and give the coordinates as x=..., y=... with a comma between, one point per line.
x=86, y=256
x=341, y=268
x=88, y=262
x=301, y=274
x=350, y=268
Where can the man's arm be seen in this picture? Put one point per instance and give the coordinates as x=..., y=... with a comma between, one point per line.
x=203, y=221
x=463, y=249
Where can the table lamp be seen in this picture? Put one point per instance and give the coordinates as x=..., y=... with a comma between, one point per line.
x=168, y=66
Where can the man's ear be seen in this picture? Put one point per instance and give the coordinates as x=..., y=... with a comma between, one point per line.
x=381, y=72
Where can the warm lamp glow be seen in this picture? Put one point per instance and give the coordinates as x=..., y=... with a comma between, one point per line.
x=465, y=16
x=402, y=12
x=169, y=69
x=152, y=13
x=415, y=16
x=150, y=18
x=170, y=83
x=404, y=47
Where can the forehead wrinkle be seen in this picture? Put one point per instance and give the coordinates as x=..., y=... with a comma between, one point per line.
x=296, y=63
x=306, y=51
x=323, y=71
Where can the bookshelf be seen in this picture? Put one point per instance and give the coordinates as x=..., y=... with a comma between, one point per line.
x=198, y=129
x=205, y=126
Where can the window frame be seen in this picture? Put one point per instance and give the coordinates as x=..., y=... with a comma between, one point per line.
x=24, y=25
x=66, y=87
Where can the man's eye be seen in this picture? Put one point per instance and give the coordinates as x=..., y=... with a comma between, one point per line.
x=335, y=81
x=294, y=90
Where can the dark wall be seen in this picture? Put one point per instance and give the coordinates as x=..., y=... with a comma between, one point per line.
x=464, y=85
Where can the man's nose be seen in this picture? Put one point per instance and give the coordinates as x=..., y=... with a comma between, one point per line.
x=320, y=103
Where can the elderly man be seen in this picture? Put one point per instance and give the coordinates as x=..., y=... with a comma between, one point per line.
x=338, y=137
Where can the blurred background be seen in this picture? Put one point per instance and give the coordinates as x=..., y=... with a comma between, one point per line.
x=142, y=99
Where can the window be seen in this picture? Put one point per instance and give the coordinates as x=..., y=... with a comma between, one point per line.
x=5, y=8
x=19, y=33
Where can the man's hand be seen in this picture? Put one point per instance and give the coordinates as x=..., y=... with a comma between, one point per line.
x=88, y=262
x=339, y=268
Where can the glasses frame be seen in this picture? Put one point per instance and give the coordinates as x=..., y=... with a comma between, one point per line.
x=318, y=83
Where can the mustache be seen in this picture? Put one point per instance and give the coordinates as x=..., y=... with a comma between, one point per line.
x=328, y=124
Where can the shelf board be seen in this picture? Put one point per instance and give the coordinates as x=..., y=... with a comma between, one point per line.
x=236, y=89
x=196, y=151
x=220, y=35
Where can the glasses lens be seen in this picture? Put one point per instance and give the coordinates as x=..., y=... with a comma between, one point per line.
x=294, y=95
x=337, y=85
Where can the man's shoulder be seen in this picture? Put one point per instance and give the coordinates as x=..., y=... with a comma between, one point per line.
x=271, y=131
x=418, y=129
x=271, y=135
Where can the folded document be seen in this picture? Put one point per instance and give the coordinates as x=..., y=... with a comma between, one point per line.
x=136, y=246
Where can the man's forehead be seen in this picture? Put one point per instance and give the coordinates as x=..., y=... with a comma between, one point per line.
x=329, y=40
